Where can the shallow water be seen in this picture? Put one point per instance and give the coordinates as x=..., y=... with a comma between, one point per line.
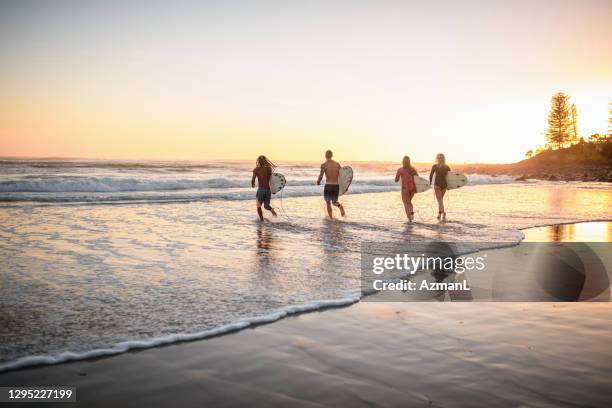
x=79, y=277
x=73, y=181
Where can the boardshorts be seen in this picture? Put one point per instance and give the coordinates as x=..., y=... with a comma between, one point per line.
x=331, y=193
x=263, y=197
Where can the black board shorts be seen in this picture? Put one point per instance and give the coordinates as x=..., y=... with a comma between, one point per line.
x=263, y=197
x=331, y=193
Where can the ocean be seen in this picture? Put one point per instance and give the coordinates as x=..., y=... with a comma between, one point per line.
x=100, y=257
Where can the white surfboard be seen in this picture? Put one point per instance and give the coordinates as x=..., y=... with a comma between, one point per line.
x=277, y=182
x=345, y=178
x=455, y=180
x=421, y=184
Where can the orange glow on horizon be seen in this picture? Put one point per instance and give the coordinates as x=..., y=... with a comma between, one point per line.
x=416, y=80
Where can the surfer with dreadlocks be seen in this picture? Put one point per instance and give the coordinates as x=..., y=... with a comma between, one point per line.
x=263, y=172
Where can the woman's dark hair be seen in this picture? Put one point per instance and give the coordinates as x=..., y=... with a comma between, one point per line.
x=262, y=161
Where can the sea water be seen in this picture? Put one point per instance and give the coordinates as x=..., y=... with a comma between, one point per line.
x=100, y=257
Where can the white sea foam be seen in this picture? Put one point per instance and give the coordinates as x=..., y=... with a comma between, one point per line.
x=147, y=188
x=112, y=184
x=80, y=184
x=126, y=346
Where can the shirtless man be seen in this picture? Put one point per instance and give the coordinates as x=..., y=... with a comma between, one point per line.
x=263, y=172
x=331, y=169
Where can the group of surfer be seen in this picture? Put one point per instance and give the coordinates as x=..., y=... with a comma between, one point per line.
x=331, y=170
x=406, y=174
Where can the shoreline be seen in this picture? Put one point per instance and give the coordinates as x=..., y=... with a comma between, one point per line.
x=69, y=357
x=581, y=172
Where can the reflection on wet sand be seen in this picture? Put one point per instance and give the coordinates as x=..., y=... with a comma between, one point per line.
x=333, y=237
x=334, y=242
x=266, y=248
x=580, y=232
x=265, y=239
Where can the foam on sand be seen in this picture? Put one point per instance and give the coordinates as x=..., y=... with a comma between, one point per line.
x=126, y=346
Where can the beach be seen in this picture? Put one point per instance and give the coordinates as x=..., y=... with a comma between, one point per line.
x=104, y=257
x=306, y=204
x=151, y=283
x=371, y=354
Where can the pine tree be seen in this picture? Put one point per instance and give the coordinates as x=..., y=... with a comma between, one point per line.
x=559, y=120
x=574, y=130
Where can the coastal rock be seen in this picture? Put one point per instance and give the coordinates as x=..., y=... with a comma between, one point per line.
x=552, y=177
x=521, y=178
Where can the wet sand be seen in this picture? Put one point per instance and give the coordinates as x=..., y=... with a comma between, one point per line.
x=372, y=354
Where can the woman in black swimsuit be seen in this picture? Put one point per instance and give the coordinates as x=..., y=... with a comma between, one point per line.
x=441, y=170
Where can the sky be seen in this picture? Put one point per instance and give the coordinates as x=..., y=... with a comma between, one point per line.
x=372, y=80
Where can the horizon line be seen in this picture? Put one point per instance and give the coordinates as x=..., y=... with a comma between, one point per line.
x=75, y=158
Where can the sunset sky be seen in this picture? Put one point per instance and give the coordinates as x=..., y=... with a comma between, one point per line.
x=372, y=80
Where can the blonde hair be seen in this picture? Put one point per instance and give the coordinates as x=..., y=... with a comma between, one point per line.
x=440, y=159
x=406, y=163
x=263, y=161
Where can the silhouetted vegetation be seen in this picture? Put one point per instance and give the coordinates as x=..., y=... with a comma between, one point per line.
x=561, y=121
x=562, y=132
x=597, y=149
x=566, y=156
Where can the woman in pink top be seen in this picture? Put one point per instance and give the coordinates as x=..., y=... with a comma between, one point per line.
x=407, y=173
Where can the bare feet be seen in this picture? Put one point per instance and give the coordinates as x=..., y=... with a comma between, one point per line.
x=273, y=212
x=342, y=213
x=439, y=214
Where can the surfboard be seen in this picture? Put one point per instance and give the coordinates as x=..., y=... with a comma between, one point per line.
x=421, y=184
x=455, y=180
x=277, y=182
x=345, y=178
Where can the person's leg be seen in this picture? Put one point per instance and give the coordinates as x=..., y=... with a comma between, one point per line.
x=328, y=199
x=438, y=193
x=267, y=206
x=334, y=194
x=405, y=201
x=410, y=208
x=442, y=192
x=259, y=200
x=340, y=207
x=329, y=209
